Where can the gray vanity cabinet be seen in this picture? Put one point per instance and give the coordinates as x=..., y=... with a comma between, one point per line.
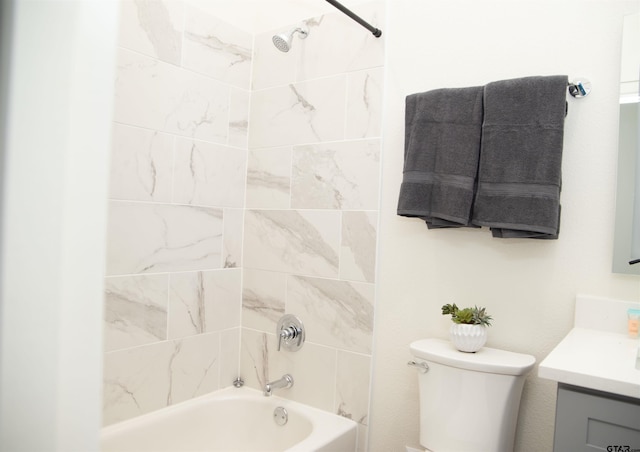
x=589, y=420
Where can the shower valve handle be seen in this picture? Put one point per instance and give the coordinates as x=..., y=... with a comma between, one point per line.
x=290, y=333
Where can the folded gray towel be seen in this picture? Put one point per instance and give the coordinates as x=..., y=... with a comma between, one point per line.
x=519, y=173
x=441, y=151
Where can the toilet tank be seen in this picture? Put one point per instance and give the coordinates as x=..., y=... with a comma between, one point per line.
x=469, y=402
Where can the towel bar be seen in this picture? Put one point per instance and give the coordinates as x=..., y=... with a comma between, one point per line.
x=580, y=88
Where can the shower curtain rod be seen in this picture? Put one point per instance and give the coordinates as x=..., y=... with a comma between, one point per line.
x=376, y=32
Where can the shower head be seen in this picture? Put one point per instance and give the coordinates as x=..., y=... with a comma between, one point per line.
x=282, y=41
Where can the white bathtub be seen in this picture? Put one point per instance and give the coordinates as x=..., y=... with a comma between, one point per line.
x=232, y=420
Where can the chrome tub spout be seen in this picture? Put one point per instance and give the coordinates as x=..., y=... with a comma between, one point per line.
x=285, y=383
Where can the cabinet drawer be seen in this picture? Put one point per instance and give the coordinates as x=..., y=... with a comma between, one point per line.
x=590, y=421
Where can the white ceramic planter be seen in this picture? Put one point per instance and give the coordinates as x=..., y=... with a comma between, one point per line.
x=468, y=338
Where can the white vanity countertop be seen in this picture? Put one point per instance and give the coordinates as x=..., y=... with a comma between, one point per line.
x=590, y=358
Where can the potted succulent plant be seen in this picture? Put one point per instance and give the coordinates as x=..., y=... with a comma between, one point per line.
x=469, y=330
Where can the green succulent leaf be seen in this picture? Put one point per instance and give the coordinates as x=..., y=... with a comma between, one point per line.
x=449, y=309
x=468, y=316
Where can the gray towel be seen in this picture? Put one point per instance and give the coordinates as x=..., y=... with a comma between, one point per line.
x=441, y=151
x=519, y=174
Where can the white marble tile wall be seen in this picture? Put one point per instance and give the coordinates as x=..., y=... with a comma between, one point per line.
x=135, y=310
x=178, y=175
x=336, y=175
x=269, y=178
x=305, y=112
x=153, y=28
x=311, y=216
x=364, y=91
x=141, y=164
x=245, y=185
x=152, y=238
x=146, y=378
x=293, y=241
x=358, y=246
x=217, y=49
x=160, y=96
x=208, y=174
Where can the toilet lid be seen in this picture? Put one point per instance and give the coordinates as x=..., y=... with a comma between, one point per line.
x=487, y=359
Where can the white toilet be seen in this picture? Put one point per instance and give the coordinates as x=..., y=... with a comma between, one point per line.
x=469, y=401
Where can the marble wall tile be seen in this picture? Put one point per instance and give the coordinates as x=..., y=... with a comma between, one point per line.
x=269, y=178
x=204, y=302
x=263, y=299
x=233, y=237
x=312, y=368
x=272, y=67
x=304, y=242
x=342, y=45
x=152, y=27
x=194, y=366
x=306, y=112
x=160, y=96
x=239, y=118
x=154, y=238
x=336, y=313
x=141, y=164
x=216, y=48
x=358, y=247
x=352, y=386
x=254, y=357
x=364, y=103
x=339, y=175
x=229, y=356
x=142, y=379
x=208, y=174
x=136, y=381
x=135, y=310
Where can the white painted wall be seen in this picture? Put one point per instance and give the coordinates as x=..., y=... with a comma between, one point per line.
x=55, y=159
x=529, y=286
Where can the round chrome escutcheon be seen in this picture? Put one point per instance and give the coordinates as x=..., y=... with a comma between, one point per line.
x=280, y=416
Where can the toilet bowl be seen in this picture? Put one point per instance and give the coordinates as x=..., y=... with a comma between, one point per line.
x=469, y=402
